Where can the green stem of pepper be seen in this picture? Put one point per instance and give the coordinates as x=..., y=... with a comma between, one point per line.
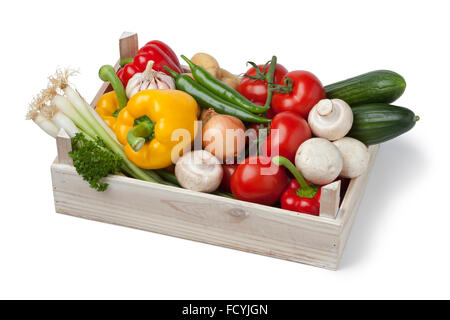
x=174, y=74
x=107, y=73
x=137, y=136
x=124, y=61
x=306, y=190
x=191, y=65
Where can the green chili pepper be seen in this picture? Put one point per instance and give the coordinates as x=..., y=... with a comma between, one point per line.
x=219, y=88
x=207, y=99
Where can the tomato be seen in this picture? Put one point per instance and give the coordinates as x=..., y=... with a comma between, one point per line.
x=258, y=180
x=256, y=90
x=228, y=170
x=292, y=131
x=306, y=91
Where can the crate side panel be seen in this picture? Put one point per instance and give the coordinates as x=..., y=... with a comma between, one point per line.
x=211, y=219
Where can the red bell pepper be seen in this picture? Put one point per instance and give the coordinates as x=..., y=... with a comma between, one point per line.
x=258, y=180
x=155, y=50
x=298, y=91
x=299, y=196
x=292, y=131
x=164, y=47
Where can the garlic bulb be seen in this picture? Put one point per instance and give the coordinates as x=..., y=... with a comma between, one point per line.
x=147, y=80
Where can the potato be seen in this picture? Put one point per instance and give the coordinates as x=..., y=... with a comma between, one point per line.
x=230, y=79
x=227, y=74
x=208, y=62
x=212, y=66
x=231, y=82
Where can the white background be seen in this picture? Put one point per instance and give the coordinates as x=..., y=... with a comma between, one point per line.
x=399, y=246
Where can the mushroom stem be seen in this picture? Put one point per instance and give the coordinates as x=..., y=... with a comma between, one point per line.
x=324, y=107
x=330, y=119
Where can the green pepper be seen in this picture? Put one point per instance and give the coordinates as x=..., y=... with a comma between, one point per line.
x=207, y=99
x=219, y=88
x=166, y=175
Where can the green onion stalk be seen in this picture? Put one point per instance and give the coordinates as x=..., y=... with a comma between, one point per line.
x=100, y=131
x=89, y=133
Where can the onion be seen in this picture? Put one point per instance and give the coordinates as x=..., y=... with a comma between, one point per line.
x=223, y=136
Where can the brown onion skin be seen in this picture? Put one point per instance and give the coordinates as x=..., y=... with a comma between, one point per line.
x=217, y=125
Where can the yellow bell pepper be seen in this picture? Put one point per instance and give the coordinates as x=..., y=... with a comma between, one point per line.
x=146, y=124
x=106, y=106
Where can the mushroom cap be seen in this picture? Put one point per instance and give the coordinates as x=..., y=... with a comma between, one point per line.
x=330, y=119
x=199, y=171
x=355, y=155
x=319, y=161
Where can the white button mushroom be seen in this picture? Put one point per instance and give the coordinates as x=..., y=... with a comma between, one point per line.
x=355, y=155
x=330, y=119
x=319, y=161
x=199, y=171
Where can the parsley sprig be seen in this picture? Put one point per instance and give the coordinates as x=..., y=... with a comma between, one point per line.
x=94, y=161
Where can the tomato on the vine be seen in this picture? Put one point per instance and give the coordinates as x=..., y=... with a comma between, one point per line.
x=254, y=85
x=298, y=91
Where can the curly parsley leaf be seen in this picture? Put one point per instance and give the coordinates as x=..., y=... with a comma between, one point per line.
x=94, y=161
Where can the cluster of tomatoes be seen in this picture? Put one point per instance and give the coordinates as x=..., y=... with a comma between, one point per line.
x=294, y=94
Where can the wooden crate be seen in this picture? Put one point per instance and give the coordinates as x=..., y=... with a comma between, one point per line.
x=208, y=218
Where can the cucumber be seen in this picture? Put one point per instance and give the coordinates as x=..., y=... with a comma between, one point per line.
x=381, y=86
x=380, y=122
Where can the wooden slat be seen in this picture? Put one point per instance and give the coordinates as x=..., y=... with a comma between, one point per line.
x=201, y=217
x=329, y=200
x=128, y=44
x=63, y=146
x=352, y=199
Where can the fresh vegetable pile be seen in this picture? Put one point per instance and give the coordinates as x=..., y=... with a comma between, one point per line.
x=272, y=136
